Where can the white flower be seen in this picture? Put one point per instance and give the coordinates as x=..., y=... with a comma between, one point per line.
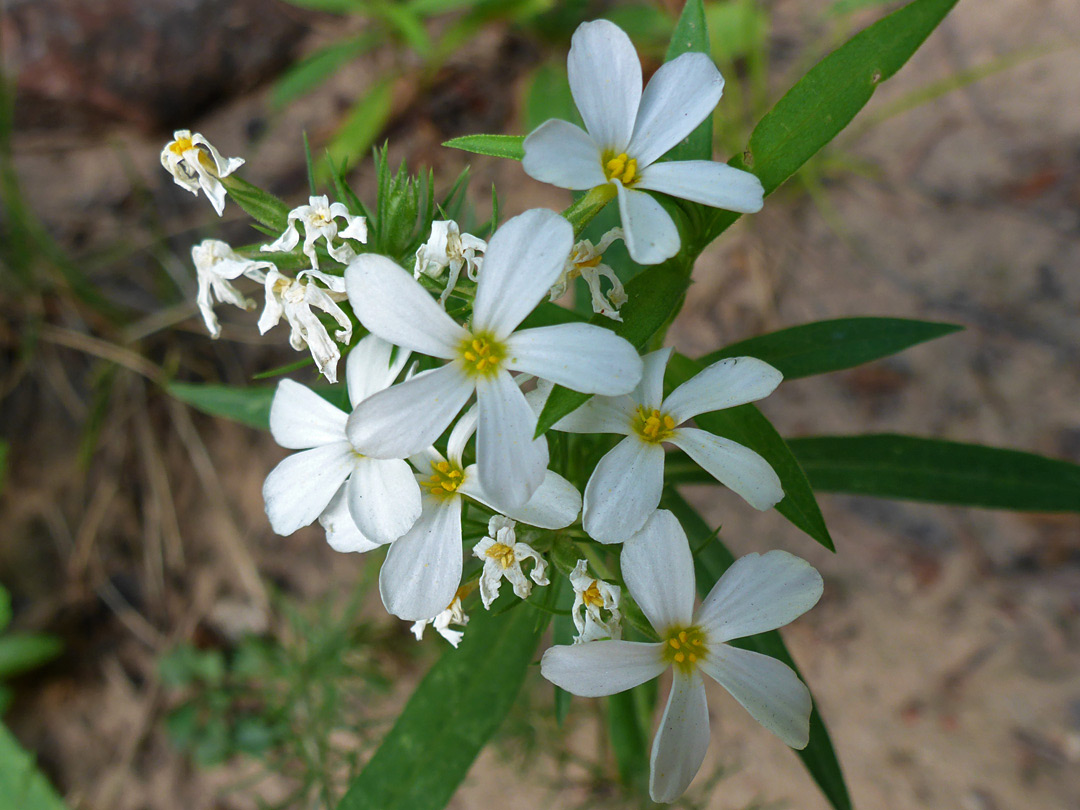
x=448, y=247
x=319, y=219
x=216, y=266
x=454, y=614
x=362, y=502
x=584, y=261
x=194, y=163
x=502, y=555
x=625, y=487
x=759, y=592
x=423, y=569
x=523, y=259
x=591, y=598
x=294, y=299
x=628, y=131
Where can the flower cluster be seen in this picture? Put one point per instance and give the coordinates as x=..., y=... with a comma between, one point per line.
x=440, y=435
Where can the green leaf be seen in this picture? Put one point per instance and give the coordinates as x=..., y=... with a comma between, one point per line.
x=452, y=714
x=22, y=785
x=504, y=146
x=5, y=607
x=747, y=425
x=737, y=29
x=360, y=128
x=817, y=348
x=248, y=406
x=307, y=74
x=22, y=653
x=549, y=96
x=260, y=205
x=825, y=100
x=628, y=731
x=937, y=471
x=819, y=756
x=691, y=35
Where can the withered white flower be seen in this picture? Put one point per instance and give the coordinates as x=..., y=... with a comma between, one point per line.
x=319, y=218
x=448, y=247
x=523, y=259
x=592, y=598
x=585, y=261
x=630, y=130
x=454, y=614
x=625, y=487
x=503, y=555
x=195, y=164
x=759, y=592
x=362, y=502
x=293, y=298
x=216, y=266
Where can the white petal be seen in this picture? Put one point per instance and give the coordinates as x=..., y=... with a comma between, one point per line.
x=623, y=490
x=511, y=462
x=601, y=415
x=583, y=357
x=681, y=741
x=368, y=368
x=706, y=182
x=600, y=668
x=554, y=505
x=562, y=154
x=766, y=688
x=651, y=236
x=523, y=259
x=423, y=569
x=300, y=487
x=725, y=384
x=300, y=418
x=384, y=498
x=605, y=80
x=650, y=391
x=341, y=531
x=392, y=304
x=287, y=241
x=738, y=468
x=407, y=417
x=680, y=95
x=460, y=435
x=659, y=571
x=759, y=592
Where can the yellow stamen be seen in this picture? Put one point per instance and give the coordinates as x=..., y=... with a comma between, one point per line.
x=445, y=480
x=482, y=355
x=685, y=647
x=181, y=145
x=653, y=426
x=592, y=596
x=621, y=167
x=502, y=554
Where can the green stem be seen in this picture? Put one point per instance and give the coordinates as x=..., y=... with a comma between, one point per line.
x=581, y=213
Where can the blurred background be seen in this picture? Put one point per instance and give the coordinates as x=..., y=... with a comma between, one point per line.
x=177, y=654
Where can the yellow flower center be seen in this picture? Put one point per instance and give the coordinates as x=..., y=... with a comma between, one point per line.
x=502, y=554
x=482, y=355
x=652, y=426
x=445, y=480
x=685, y=648
x=592, y=596
x=181, y=145
x=621, y=167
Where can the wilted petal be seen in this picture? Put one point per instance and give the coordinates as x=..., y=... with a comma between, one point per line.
x=580, y=356
x=605, y=80
x=682, y=739
x=423, y=569
x=300, y=418
x=623, y=490
x=659, y=571
x=738, y=468
x=300, y=487
x=560, y=153
x=599, y=668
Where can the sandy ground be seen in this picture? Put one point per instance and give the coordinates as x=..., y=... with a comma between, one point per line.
x=945, y=652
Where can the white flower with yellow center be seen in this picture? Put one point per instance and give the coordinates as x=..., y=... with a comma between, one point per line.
x=523, y=259
x=503, y=555
x=454, y=614
x=592, y=599
x=585, y=261
x=362, y=502
x=625, y=487
x=759, y=592
x=629, y=131
x=195, y=164
x=423, y=569
x=319, y=218
x=216, y=266
x=448, y=247
x=293, y=298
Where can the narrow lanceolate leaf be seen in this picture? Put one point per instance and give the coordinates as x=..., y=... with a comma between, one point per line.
x=452, y=714
x=711, y=561
x=504, y=146
x=22, y=652
x=22, y=785
x=825, y=100
x=692, y=36
x=817, y=348
x=262, y=206
x=936, y=471
x=249, y=406
x=748, y=426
